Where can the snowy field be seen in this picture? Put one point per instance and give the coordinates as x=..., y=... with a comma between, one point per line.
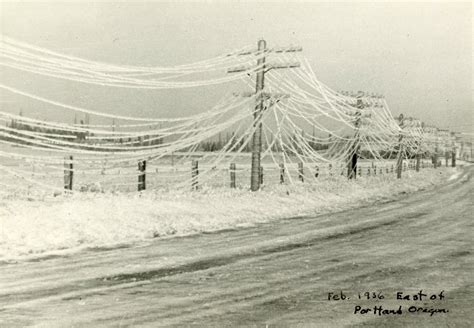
x=68, y=223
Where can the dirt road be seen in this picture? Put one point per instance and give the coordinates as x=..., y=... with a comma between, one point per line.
x=276, y=274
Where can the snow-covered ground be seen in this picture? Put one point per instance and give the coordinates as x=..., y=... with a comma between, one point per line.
x=70, y=223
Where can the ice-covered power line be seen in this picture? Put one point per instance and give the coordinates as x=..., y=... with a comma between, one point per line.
x=28, y=58
x=292, y=122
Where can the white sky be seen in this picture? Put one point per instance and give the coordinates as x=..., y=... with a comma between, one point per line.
x=419, y=55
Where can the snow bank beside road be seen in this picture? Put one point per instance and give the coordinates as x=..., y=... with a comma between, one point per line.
x=32, y=228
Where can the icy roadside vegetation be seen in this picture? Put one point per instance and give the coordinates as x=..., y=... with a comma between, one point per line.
x=70, y=223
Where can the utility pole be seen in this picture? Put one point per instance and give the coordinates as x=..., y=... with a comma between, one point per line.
x=446, y=146
x=359, y=105
x=459, y=141
x=262, y=68
x=435, y=157
x=470, y=157
x=352, y=165
x=400, y=149
x=418, y=150
x=453, y=151
x=355, y=155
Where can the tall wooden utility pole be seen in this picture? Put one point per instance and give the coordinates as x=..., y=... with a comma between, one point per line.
x=446, y=146
x=418, y=150
x=353, y=157
x=257, y=135
x=262, y=68
x=470, y=157
x=453, y=149
x=461, y=148
x=400, y=149
x=435, y=156
x=371, y=100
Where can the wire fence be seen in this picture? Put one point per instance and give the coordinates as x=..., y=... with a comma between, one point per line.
x=76, y=176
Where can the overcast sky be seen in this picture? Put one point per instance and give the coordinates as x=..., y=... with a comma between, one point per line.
x=419, y=55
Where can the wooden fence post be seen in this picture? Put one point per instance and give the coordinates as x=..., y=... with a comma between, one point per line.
x=375, y=169
x=352, y=166
x=194, y=175
x=141, y=175
x=232, y=175
x=260, y=173
x=316, y=174
x=368, y=171
x=330, y=169
x=68, y=172
x=71, y=172
x=282, y=173
x=300, y=171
